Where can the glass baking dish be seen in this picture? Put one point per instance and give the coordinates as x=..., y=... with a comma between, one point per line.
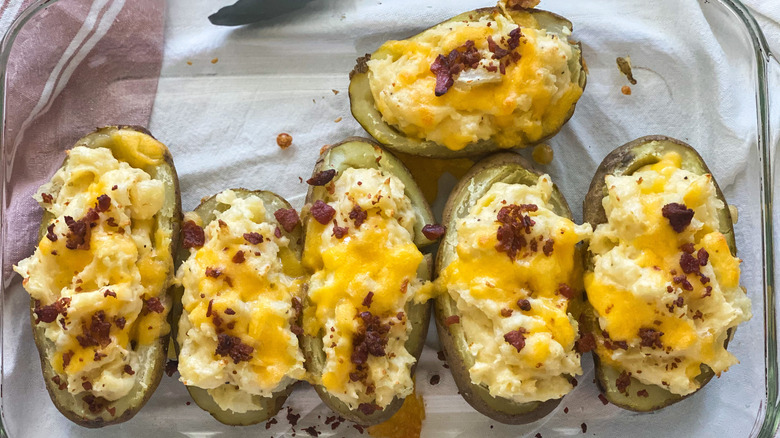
x=223, y=94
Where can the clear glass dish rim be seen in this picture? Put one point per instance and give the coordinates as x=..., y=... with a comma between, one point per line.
x=771, y=421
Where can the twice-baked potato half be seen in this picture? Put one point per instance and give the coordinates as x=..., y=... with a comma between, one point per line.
x=489, y=79
x=240, y=283
x=100, y=274
x=510, y=282
x=662, y=277
x=366, y=311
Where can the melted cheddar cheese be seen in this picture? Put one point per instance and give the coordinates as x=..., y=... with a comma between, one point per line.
x=487, y=285
x=248, y=297
x=379, y=258
x=104, y=276
x=641, y=285
x=528, y=101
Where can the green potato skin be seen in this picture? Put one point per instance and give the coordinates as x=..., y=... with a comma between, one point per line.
x=626, y=160
x=153, y=357
x=267, y=407
x=507, y=168
x=365, y=112
x=357, y=152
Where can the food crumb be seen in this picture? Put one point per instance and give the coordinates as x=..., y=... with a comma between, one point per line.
x=189, y=62
x=337, y=120
x=435, y=379
x=603, y=399
x=538, y=435
x=171, y=367
x=624, y=65
x=542, y=154
x=335, y=91
x=626, y=90
x=584, y=427
x=188, y=403
x=566, y=410
x=324, y=148
x=215, y=60
x=284, y=140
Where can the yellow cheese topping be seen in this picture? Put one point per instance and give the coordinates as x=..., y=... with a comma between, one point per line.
x=528, y=101
x=488, y=287
x=665, y=299
x=371, y=272
x=100, y=273
x=246, y=299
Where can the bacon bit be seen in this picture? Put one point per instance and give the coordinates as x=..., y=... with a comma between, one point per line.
x=566, y=290
x=253, y=238
x=358, y=215
x=103, y=203
x=87, y=386
x=707, y=292
x=367, y=300
x=49, y=313
x=154, y=305
x=95, y=404
x=312, y=431
x=623, y=381
x=703, y=256
x=109, y=293
x=643, y=393
x=128, y=370
x=688, y=263
x=524, y=305
x=213, y=272
x=368, y=408
x=703, y=278
x=111, y=222
x=287, y=217
x=278, y=233
x=231, y=325
x=516, y=338
x=547, y=249
x=452, y=319
x=462, y=58
x=233, y=347
x=111, y=410
x=296, y=329
x=50, y=233
x=208, y=309
x=339, y=232
x=66, y=357
x=514, y=224
x=230, y=311
x=614, y=345
x=650, y=338
x=97, y=333
x=217, y=321
x=506, y=313
x=358, y=427
x=270, y=423
x=669, y=289
x=292, y=418
x=322, y=212
x=284, y=140
x=698, y=315
x=433, y=231
x=679, y=215
x=688, y=248
x=80, y=231
x=321, y=178
x=192, y=235
x=370, y=339
x=584, y=427
x=171, y=367
x=120, y=322
x=603, y=399
x=400, y=316
x=404, y=285
x=297, y=306
x=435, y=379
x=47, y=198
x=585, y=343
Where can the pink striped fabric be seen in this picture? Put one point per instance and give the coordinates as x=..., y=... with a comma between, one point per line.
x=75, y=66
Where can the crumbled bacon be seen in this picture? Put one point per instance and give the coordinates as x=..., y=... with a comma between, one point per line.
x=433, y=231
x=192, y=235
x=643, y=393
x=103, y=203
x=229, y=311
x=253, y=238
x=516, y=338
x=322, y=212
x=171, y=367
x=367, y=300
x=358, y=215
x=95, y=404
x=233, y=347
x=321, y=178
x=547, y=249
x=650, y=338
x=679, y=215
x=506, y=313
x=566, y=290
x=50, y=234
x=339, y=232
x=287, y=217
x=50, y=312
x=623, y=381
x=297, y=306
x=47, y=198
x=128, y=370
x=111, y=222
x=702, y=256
x=66, y=357
x=79, y=234
x=109, y=293
x=120, y=322
x=614, y=345
x=98, y=332
x=209, y=308
x=688, y=248
x=277, y=233
x=452, y=319
x=524, y=305
x=213, y=272
x=445, y=67
x=154, y=305
x=585, y=343
x=370, y=339
x=368, y=408
x=688, y=263
x=513, y=225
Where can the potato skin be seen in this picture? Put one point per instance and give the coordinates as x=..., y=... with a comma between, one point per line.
x=155, y=355
x=364, y=110
x=625, y=160
x=364, y=153
x=268, y=406
x=502, y=167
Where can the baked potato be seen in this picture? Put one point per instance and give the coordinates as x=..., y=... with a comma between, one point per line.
x=650, y=332
x=99, y=282
x=239, y=281
x=510, y=265
x=454, y=91
x=366, y=310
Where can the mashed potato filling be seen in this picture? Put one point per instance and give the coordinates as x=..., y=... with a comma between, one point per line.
x=99, y=275
x=664, y=284
x=517, y=87
x=365, y=272
x=239, y=291
x=513, y=294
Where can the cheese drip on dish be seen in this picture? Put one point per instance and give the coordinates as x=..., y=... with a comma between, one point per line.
x=365, y=274
x=99, y=275
x=514, y=272
x=241, y=291
x=513, y=83
x=664, y=285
